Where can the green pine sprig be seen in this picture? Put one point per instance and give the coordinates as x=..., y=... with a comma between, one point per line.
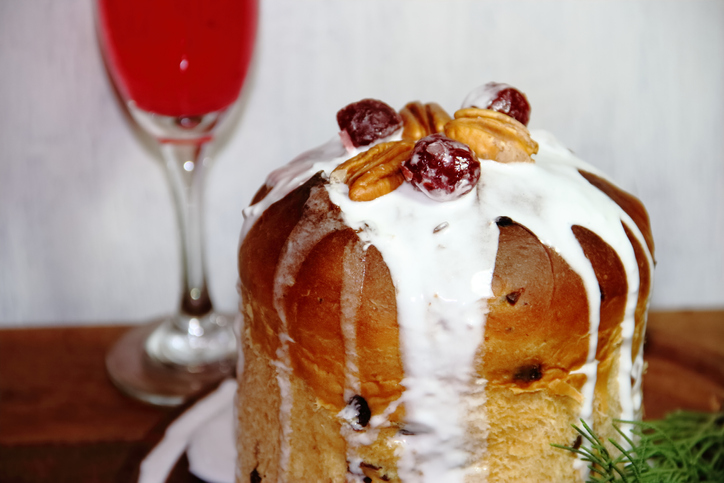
x=684, y=447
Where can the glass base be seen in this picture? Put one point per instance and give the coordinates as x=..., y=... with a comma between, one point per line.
x=162, y=365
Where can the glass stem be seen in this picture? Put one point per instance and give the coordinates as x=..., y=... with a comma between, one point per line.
x=185, y=167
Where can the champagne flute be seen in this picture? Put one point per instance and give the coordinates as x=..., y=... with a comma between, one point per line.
x=179, y=66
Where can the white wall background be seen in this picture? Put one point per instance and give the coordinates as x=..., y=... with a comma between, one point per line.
x=87, y=234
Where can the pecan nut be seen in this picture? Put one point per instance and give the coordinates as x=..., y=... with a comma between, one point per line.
x=492, y=135
x=375, y=172
x=420, y=120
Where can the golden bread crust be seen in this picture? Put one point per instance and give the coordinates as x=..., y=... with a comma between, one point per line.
x=536, y=335
x=538, y=318
x=628, y=203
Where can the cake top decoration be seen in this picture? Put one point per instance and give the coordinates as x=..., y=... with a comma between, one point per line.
x=443, y=161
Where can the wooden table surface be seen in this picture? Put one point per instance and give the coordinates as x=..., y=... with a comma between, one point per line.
x=61, y=420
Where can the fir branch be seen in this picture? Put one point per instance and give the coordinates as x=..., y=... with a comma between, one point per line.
x=684, y=447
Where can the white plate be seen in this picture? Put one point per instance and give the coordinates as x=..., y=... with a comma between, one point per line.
x=205, y=432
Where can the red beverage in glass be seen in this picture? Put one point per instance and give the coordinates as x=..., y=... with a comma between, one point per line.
x=178, y=57
x=179, y=64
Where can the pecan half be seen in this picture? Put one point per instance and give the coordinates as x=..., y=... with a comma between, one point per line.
x=492, y=135
x=422, y=120
x=375, y=172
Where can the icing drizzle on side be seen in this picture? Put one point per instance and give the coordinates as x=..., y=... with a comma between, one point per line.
x=441, y=257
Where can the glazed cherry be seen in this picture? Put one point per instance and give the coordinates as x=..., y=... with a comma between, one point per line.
x=441, y=168
x=510, y=101
x=367, y=121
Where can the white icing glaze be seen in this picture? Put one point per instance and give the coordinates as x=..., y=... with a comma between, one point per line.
x=350, y=299
x=440, y=314
x=316, y=223
x=441, y=257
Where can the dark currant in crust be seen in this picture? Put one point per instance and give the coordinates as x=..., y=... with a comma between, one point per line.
x=528, y=373
x=254, y=476
x=503, y=221
x=362, y=410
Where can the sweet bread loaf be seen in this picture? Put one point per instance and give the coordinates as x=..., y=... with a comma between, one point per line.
x=429, y=298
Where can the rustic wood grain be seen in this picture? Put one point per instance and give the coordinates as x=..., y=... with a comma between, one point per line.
x=685, y=356
x=54, y=389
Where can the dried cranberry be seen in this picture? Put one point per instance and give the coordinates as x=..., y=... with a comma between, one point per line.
x=502, y=98
x=441, y=168
x=367, y=121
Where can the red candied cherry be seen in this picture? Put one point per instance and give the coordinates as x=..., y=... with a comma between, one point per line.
x=502, y=98
x=367, y=121
x=441, y=168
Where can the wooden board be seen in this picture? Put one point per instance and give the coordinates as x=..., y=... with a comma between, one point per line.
x=684, y=352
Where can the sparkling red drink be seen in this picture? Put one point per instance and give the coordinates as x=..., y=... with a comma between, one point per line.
x=178, y=57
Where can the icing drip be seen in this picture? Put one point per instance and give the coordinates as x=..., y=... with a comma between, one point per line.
x=316, y=223
x=631, y=372
x=637, y=367
x=440, y=314
x=285, y=179
x=350, y=300
x=625, y=367
x=441, y=258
